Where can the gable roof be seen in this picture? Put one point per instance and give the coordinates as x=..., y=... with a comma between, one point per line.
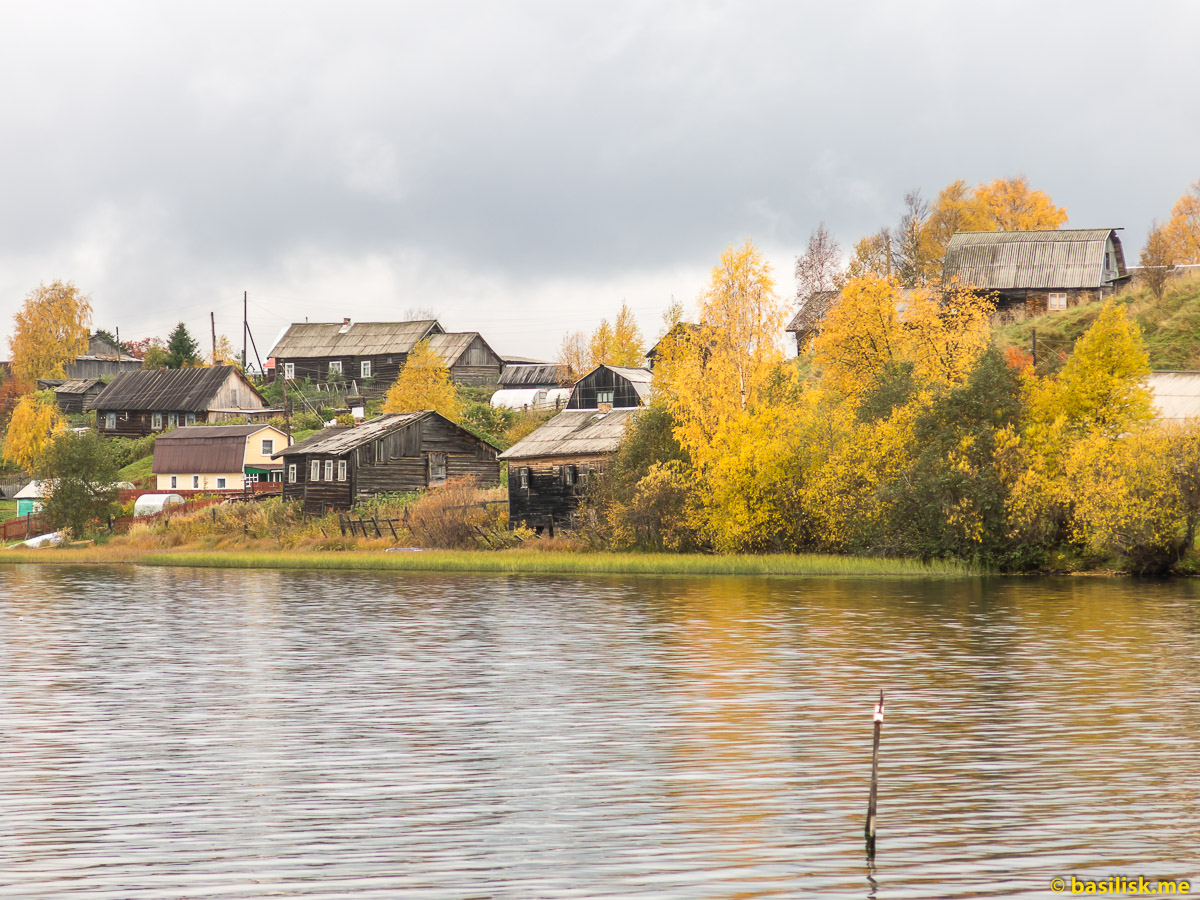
x=575, y=432
x=683, y=331
x=539, y=375
x=190, y=390
x=1016, y=260
x=204, y=449
x=813, y=311
x=450, y=346
x=78, y=386
x=339, y=440
x=319, y=339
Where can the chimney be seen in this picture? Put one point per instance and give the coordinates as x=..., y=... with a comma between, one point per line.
x=346, y=320
x=604, y=407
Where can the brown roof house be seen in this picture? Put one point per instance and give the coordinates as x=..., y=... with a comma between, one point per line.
x=395, y=453
x=217, y=457
x=1033, y=272
x=374, y=352
x=152, y=400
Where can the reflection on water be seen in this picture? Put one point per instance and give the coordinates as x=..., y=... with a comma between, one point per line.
x=194, y=734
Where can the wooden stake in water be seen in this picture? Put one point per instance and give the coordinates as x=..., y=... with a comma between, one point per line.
x=869, y=831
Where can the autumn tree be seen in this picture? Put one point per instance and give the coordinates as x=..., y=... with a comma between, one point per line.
x=871, y=256
x=224, y=354
x=1010, y=204
x=1157, y=260
x=34, y=421
x=628, y=346
x=575, y=355
x=182, y=349
x=916, y=256
x=51, y=329
x=424, y=383
x=1182, y=231
x=81, y=473
x=611, y=344
x=819, y=268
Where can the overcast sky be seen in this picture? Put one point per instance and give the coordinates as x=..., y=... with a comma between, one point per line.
x=520, y=168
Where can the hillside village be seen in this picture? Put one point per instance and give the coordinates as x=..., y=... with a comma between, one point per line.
x=708, y=439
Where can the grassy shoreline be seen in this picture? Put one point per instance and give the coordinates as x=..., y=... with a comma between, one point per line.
x=531, y=562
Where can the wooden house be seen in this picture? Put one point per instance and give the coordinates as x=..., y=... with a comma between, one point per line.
x=78, y=395
x=548, y=471
x=611, y=387
x=103, y=357
x=1033, y=272
x=150, y=401
x=217, y=457
x=806, y=324
x=390, y=454
x=375, y=352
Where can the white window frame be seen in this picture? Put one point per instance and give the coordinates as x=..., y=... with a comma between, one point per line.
x=268, y=446
x=289, y=371
x=329, y=470
x=523, y=478
x=569, y=475
x=605, y=396
x=341, y=470
x=156, y=421
x=364, y=368
x=1052, y=306
x=195, y=482
x=174, y=482
x=436, y=462
x=110, y=421
x=292, y=473
x=172, y=420
x=315, y=471
x=220, y=484
x=335, y=365
x=190, y=419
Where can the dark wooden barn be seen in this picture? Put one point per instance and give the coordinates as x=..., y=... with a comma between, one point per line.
x=1032, y=272
x=375, y=352
x=338, y=466
x=149, y=401
x=611, y=387
x=78, y=395
x=103, y=358
x=548, y=471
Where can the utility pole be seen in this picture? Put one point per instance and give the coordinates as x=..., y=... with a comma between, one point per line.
x=212, y=318
x=245, y=328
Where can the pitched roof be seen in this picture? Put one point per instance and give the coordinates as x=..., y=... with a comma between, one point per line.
x=679, y=331
x=336, y=441
x=318, y=339
x=450, y=346
x=639, y=378
x=517, y=375
x=1176, y=394
x=197, y=449
x=78, y=386
x=1015, y=260
x=813, y=310
x=190, y=390
x=575, y=432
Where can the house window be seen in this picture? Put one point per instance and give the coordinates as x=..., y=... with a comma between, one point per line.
x=191, y=419
x=292, y=474
x=329, y=470
x=379, y=451
x=195, y=482
x=1057, y=301
x=315, y=475
x=365, y=368
x=252, y=477
x=174, y=482
x=524, y=479
x=437, y=468
x=172, y=419
x=268, y=446
x=289, y=371
x=341, y=470
x=220, y=484
x=156, y=421
x=110, y=421
x=568, y=475
x=604, y=397
x=335, y=367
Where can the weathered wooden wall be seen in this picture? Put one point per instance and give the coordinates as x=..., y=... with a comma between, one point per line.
x=131, y=423
x=385, y=369
x=548, y=497
x=584, y=394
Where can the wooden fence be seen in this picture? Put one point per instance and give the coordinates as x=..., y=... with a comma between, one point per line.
x=23, y=527
x=35, y=525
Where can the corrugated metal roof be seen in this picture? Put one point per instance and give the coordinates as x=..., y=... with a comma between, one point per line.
x=528, y=376
x=202, y=449
x=576, y=432
x=1176, y=394
x=170, y=390
x=1019, y=260
x=639, y=378
x=317, y=339
x=77, y=386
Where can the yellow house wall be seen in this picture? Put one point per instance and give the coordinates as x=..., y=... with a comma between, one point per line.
x=254, y=454
x=234, y=481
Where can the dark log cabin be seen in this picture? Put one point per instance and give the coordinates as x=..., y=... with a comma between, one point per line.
x=1033, y=272
x=339, y=466
x=611, y=387
x=145, y=402
x=375, y=352
x=78, y=395
x=548, y=471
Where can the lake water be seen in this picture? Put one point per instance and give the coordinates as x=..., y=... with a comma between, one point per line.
x=213, y=734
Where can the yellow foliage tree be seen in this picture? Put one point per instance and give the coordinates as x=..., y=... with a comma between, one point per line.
x=424, y=383
x=617, y=344
x=1009, y=204
x=224, y=354
x=51, y=329
x=861, y=335
x=34, y=423
x=1182, y=231
x=627, y=344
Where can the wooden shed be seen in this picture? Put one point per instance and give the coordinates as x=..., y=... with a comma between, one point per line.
x=548, y=471
x=468, y=357
x=611, y=387
x=78, y=395
x=1033, y=272
x=103, y=358
x=396, y=453
x=148, y=401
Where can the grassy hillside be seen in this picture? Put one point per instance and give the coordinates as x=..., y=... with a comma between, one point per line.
x=1170, y=327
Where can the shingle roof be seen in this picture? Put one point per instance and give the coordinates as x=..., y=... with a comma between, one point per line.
x=169, y=390
x=1016, y=260
x=203, y=449
x=575, y=432
x=547, y=375
x=318, y=339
